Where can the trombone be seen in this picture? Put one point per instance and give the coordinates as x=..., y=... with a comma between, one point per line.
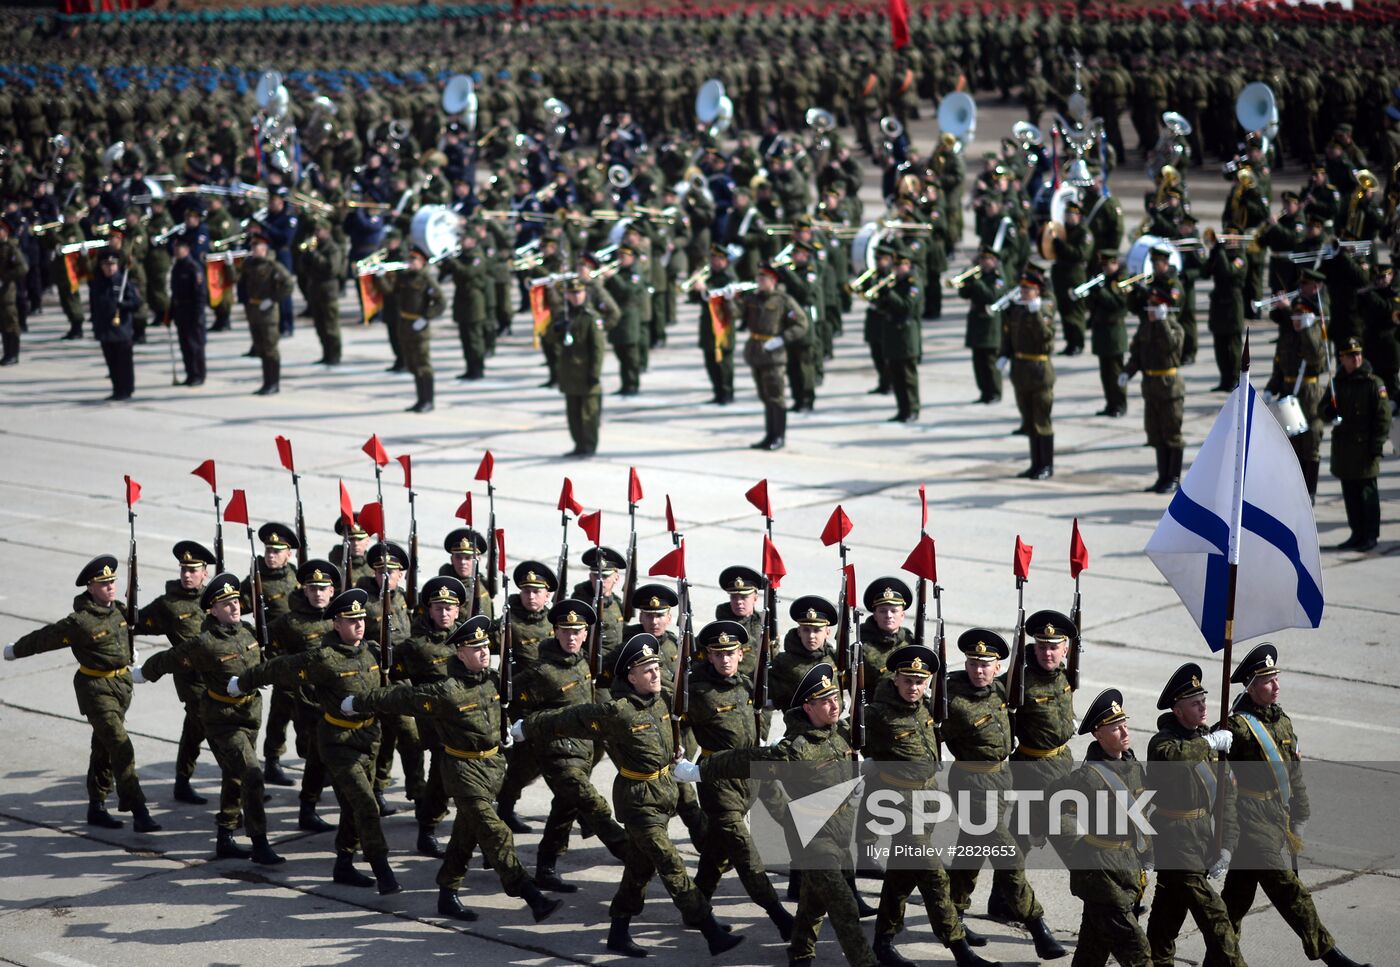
x=860, y=280
x=784, y=258
x=220, y=244
x=884, y=283
x=1084, y=288
x=697, y=278
x=1126, y=284
x=964, y=275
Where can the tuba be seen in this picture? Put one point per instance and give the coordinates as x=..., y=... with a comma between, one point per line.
x=1356, y=209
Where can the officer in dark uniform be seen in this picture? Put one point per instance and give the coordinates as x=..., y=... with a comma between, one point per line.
x=1227, y=268
x=1358, y=443
x=717, y=338
x=1028, y=339
x=112, y=301
x=188, y=297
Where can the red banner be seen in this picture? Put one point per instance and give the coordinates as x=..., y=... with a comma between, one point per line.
x=722, y=325
x=371, y=298
x=539, y=310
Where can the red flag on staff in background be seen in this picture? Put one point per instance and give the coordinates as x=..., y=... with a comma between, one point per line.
x=284, y=453
x=758, y=496
x=347, y=509
x=376, y=450
x=592, y=525
x=465, y=510
x=486, y=467
x=501, y=546
x=634, y=486
x=773, y=567
x=837, y=527
x=566, y=498
x=672, y=563
x=133, y=491
x=205, y=472
x=899, y=23
x=237, y=510
x=371, y=297
x=1021, y=564
x=670, y=517
x=372, y=518
x=923, y=563
x=1078, y=553
x=406, y=462
x=923, y=507
x=850, y=572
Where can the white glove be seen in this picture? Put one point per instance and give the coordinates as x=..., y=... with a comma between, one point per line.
x=136, y=677
x=509, y=741
x=686, y=771
x=1032, y=305
x=420, y=324
x=1220, y=741
x=517, y=730
x=1123, y=380
x=1148, y=869
x=1003, y=363
x=1306, y=320
x=1299, y=827
x=1157, y=312
x=347, y=705
x=10, y=652
x=773, y=345
x=232, y=688
x=265, y=305
x=1218, y=868
x=135, y=656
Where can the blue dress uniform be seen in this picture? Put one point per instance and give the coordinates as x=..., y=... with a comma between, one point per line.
x=113, y=300
x=280, y=229
x=188, y=298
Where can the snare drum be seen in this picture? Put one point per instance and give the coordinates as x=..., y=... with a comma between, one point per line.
x=1289, y=413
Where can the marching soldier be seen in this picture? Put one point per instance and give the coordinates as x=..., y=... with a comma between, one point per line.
x=1184, y=845
x=1299, y=359
x=358, y=544
x=1108, y=334
x=604, y=568
x=226, y=646
x=1072, y=255
x=420, y=301
x=468, y=549
x=1358, y=443
x=388, y=562
x=265, y=283
x=1028, y=338
x=1156, y=353
x=96, y=631
x=806, y=644
x=578, y=332
x=983, y=335
x=742, y=585
x=1273, y=808
x=772, y=320
x=653, y=604
x=279, y=577
x=883, y=631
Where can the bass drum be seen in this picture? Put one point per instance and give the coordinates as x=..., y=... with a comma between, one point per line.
x=863, y=246
x=1137, y=255
x=434, y=230
x=1289, y=413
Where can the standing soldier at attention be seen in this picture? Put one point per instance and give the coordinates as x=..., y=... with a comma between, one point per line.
x=322, y=261
x=577, y=331
x=96, y=631
x=420, y=301
x=1108, y=334
x=1072, y=254
x=1273, y=809
x=13, y=268
x=1184, y=844
x=472, y=289
x=978, y=734
x=901, y=335
x=772, y=319
x=629, y=290
x=1028, y=338
x=265, y=282
x=1300, y=358
x=227, y=646
x=1156, y=353
x=178, y=615
x=1358, y=443
x=983, y=335
x=463, y=703
x=1226, y=315
x=718, y=353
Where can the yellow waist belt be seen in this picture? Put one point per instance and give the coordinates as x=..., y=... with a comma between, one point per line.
x=468, y=754
x=1180, y=813
x=1033, y=357
x=901, y=782
x=346, y=724
x=1257, y=794
x=1030, y=753
x=229, y=699
x=1160, y=372
x=642, y=776
x=706, y=753
x=1098, y=842
x=1309, y=380
x=983, y=767
x=98, y=673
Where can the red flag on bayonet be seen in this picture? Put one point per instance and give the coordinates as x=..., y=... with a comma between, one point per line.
x=923, y=507
x=205, y=472
x=376, y=450
x=237, y=510
x=773, y=567
x=284, y=453
x=850, y=571
x=592, y=525
x=670, y=517
x=634, y=486
x=758, y=496
x=465, y=510
x=501, y=547
x=372, y=518
x=406, y=462
x=837, y=527
x=672, y=563
x=486, y=467
x=1078, y=553
x=566, y=498
x=133, y=491
x=347, y=509
x=922, y=561
x=1021, y=564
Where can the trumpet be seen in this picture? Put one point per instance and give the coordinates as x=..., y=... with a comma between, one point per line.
x=525, y=262
x=377, y=206
x=308, y=244
x=783, y=258
x=1006, y=299
x=884, y=283
x=482, y=141
x=860, y=280
x=1126, y=284
x=777, y=229
x=241, y=253
x=1276, y=299
x=167, y=235
x=553, y=279
x=1083, y=289
x=223, y=243
x=699, y=277
x=315, y=204
x=964, y=275
x=45, y=227
x=87, y=246
x=1210, y=237
x=907, y=228
x=732, y=289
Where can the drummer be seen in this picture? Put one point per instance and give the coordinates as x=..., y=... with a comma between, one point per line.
x=1300, y=358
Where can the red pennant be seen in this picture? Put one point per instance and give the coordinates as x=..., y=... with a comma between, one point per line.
x=1078, y=553
x=850, y=572
x=133, y=491
x=923, y=507
x=634, y=486
x=566, y=498
x=237, y=510
x=773, y=567
x=899, y=23
x=347, y=509
x=672, y=563
x=376, y=450
x=372, y=518
x=205, y=472
x=486, y=467
x=922, y=561
x=1022, y=562
x=407, y=463
x=592, y=525
x=465, y=511
x=501, y=547
x=758, y=496
x=670, y=517
x=284, y=453
x=837, y=527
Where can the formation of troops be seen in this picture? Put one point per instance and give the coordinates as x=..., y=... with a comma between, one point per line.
x=487, y=678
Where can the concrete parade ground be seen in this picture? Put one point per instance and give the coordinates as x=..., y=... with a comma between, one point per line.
x=73, y=895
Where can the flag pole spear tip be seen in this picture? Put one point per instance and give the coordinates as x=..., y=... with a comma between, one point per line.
x=1244, y=356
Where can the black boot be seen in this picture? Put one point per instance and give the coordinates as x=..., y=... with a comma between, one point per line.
x=384, y=875
x=767, y=430
x=1046, y=446
x=272, y=371
x=1046, y=946
x=974, y=939
x=541, y=906
x=779, y=428
x=513, y=822
x=309, y=822
x=866, y=910
x=794, y=889
x=74, y=332
x=1335, y=958
x=345, y=872
x=964, y=956
x=886, y=955
x=273, y=774
x=1310, y=469
x=450, y=906
x=1173, y=480
x=427, y=842
x=718, y=938
x=141, y=820
x=263, y=854
x=1155, y=487
x=781, y=919
x=999, y=910
x=384, y=808
x=183, y=792
x=11, y=353
x=547, y=879
x=1030, y=472
x=620, y=939
x=99, y=816
x=226, y=849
